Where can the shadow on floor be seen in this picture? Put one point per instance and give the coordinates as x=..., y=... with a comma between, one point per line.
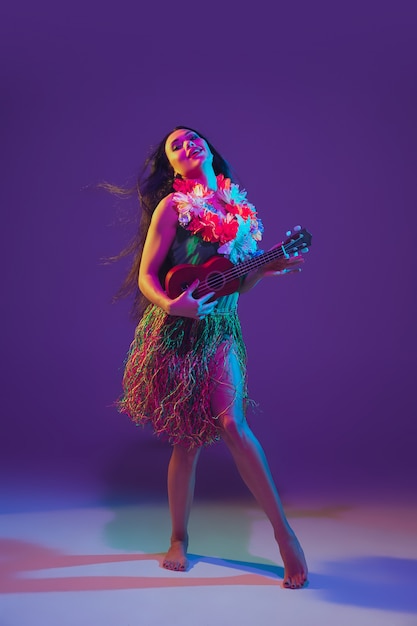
x=386, y=583
x=383, y=583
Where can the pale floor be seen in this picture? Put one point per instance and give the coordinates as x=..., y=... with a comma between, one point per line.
x=84, y=565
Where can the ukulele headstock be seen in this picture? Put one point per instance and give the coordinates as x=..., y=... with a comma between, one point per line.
x=298, y=240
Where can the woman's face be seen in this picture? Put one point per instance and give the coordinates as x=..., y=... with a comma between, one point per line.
x=187, y=152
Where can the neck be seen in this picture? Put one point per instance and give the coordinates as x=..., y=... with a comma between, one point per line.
x=206, y=177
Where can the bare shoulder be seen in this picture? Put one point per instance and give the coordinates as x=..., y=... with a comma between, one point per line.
x=166, y=211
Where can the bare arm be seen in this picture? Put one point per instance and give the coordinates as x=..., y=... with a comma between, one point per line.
x=158, y=241
x=250, y=280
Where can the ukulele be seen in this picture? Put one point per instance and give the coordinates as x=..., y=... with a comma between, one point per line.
x=221, y=276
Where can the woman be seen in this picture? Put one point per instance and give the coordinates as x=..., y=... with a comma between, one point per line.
x=185, y=372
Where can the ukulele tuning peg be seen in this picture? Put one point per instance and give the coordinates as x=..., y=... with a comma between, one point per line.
x=288, y=233
x=297, y=228
x=295, y=253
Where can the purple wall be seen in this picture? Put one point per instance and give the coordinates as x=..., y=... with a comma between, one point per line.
x=316, y=109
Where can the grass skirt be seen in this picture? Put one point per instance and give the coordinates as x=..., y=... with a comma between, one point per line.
x=168, y=378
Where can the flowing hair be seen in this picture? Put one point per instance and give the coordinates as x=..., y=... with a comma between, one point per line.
x=154, y=182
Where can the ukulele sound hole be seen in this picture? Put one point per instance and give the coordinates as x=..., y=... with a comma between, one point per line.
x=215, y=281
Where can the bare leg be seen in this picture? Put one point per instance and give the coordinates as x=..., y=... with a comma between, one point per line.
x=181, y=481
x=253, y=467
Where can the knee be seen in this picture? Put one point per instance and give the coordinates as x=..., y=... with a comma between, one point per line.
x=187, y=457
x=234, y=429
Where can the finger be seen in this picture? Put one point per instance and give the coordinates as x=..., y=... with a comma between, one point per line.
x=294, y=270
x=189, y=291
x=294, y=263
x=193, y=286
x=295, y=260
x=206, y=297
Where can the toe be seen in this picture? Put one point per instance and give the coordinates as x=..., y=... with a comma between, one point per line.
x=294, y=582
x=302, y=579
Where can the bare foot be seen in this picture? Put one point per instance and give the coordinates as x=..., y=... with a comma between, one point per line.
x=295, y=566
x=176, y=557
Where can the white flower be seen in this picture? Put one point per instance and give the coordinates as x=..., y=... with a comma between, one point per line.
x=234, y=195
x=188, y=205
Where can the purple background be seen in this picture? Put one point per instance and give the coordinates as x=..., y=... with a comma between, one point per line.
x=315, y=106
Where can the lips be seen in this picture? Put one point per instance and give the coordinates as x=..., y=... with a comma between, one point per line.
x=194, y=152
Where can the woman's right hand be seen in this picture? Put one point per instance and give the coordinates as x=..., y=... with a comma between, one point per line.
x=188, y=306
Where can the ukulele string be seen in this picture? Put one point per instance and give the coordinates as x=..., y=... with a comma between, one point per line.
x=236, y=271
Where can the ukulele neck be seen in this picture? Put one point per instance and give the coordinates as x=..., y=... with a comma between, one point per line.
x=258, y=261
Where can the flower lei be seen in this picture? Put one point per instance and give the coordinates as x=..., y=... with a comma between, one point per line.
x=237, y=229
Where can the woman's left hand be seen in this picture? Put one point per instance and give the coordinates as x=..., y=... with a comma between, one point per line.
x=284, y=265
x=278, y=267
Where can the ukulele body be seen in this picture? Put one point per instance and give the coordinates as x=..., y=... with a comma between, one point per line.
x=220, y=276
x=212, y=275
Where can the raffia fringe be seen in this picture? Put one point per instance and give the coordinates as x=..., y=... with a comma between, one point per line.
x=167, y=380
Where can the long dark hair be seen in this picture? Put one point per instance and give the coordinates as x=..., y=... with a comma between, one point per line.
x=154, y=182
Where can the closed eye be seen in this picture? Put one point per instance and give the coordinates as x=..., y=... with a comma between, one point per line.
x=177, y=145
